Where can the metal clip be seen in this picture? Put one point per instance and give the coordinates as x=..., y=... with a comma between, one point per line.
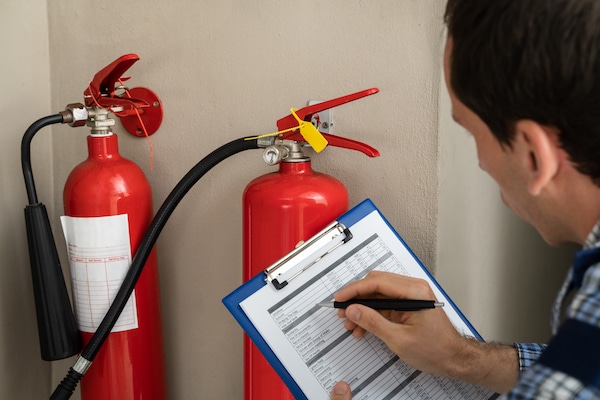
x=307, y=254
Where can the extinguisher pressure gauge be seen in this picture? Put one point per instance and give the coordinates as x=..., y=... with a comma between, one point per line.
x=273, y=155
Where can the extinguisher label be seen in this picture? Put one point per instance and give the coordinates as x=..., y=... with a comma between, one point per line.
x=99, y=256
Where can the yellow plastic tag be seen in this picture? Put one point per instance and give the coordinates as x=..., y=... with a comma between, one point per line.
x=308, y=131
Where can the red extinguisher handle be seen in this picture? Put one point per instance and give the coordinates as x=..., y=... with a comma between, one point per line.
x=338, y=141
x=139, y=109
x=104, y=81
x=306, y=113
x=101, y=90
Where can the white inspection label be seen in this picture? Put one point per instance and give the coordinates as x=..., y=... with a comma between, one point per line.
x=99, y=257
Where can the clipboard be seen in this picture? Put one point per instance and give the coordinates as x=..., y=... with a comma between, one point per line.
x=318, y=254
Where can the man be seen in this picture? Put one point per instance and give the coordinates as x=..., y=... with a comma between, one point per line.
x=524, y=80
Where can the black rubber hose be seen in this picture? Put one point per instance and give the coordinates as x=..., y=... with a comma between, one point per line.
x=68, y=385
x=143, y=251
x=57, y=330
x=26, y=152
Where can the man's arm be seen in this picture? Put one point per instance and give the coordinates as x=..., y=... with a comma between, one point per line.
x=494, y=366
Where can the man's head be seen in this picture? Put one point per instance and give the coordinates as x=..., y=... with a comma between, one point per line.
x=524, y=80
x=538, y=60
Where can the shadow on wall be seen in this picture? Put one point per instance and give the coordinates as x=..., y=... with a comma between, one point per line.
x=532, y=273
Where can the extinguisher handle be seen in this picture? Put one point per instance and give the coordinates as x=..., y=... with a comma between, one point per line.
x=338, y=141
x=101, y=90
x=139, y=109
x=306, y=113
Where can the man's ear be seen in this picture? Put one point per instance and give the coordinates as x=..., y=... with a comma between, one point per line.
x=540, y=150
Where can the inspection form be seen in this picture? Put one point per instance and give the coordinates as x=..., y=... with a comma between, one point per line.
x=99, y=257
x=316, y=349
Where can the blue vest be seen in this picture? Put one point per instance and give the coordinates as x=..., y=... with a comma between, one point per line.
x=575, y=349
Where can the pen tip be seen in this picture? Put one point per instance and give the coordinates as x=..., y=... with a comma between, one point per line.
x=439, y=304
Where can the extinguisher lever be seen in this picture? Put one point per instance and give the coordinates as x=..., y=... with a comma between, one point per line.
x=338, y=141
x=139, y=109
x=288, y=123
x=101, y=90
x=306, y=113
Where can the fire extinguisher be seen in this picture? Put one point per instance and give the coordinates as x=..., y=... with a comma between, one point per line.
x=283, y=208
x=108, y=207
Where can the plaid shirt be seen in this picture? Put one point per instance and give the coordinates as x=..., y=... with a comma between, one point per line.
x=569, y=366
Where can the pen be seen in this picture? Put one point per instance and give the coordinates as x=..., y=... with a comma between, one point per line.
x=385, y=304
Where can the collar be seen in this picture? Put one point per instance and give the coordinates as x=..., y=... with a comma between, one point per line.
x=583, y=260
x=588, y=256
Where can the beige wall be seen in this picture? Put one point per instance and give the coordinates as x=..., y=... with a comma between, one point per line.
x=225, y=70
x=24, y=97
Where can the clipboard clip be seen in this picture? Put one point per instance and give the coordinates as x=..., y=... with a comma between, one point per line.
x=307, y=254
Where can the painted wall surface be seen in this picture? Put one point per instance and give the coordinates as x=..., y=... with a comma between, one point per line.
x=25, y=97
x=229, y=69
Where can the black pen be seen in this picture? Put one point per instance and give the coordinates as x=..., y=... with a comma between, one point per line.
x=386, y=304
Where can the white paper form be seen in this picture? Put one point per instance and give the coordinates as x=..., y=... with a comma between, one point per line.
x=99, y=257
x=318, y=351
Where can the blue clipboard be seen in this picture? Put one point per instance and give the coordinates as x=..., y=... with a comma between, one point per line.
x=233, y=300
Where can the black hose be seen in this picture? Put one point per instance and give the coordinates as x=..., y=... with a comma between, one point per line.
x=143, y=252
x=26, y=152
x=57, y=330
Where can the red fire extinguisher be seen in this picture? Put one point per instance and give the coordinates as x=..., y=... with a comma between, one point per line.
x=108, y=202
x=282, y=208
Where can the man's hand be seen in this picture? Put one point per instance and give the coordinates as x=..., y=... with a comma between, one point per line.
x=426, y=340
x=341, y=391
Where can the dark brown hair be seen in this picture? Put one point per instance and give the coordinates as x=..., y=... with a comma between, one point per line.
x=531, y=59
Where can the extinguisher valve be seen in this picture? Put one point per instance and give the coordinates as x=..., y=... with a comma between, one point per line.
x=295, y=152
x=97, y=118
x=99, y=121
x=285, y=150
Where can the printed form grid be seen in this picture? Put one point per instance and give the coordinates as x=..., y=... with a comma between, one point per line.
x=313, y=333
x=97, y=274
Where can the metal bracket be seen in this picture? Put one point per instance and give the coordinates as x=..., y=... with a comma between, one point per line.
x=322, y=120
